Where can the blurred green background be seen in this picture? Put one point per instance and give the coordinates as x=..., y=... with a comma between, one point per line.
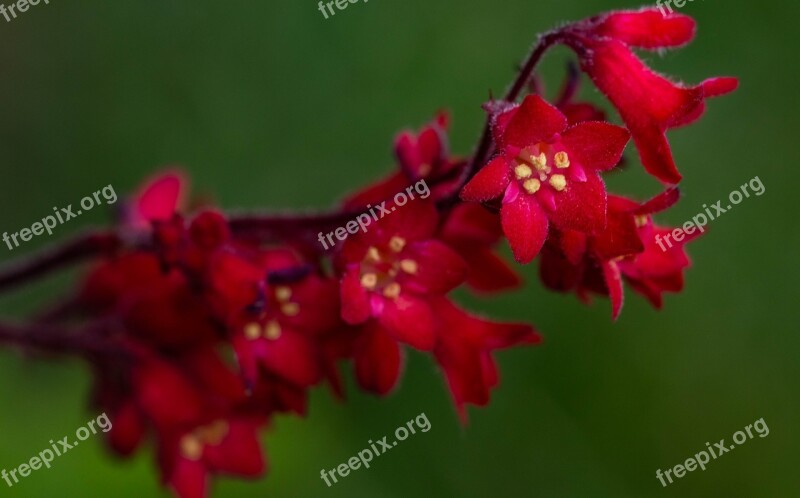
x=267, y=104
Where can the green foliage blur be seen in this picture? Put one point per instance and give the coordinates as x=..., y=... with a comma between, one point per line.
x=269, y=105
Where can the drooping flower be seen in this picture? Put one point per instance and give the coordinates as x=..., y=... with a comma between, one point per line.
x=547, y=172
x=648, y=103
x=628, y=250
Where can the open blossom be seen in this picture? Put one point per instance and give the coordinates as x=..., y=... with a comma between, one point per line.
x=547, y=172
x=626, y=251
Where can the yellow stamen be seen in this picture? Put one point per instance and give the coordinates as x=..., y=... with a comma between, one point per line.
x=214, y=433
x=191, y=447
x=373, y=254
x=409, y=266
x=540, y=161
x=290, y=309
x=532, y=186
x=252, y=331
x=562, y=160
x=283, y=293
x=369, y=280
x=425, y=169
x=397, y=243
x=641, y=220
x=523, y=171
x=392, y=290
x=273, y=330
x=558, y=182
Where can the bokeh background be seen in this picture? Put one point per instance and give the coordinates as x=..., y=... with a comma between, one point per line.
x=269, y=105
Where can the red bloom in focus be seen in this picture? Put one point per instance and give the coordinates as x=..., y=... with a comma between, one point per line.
x=649, y=103
x=547, y=171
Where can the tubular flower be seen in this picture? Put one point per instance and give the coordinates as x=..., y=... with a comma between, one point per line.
x=648, y=103
x=547, y=172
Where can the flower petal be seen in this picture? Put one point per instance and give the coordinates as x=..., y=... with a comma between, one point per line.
x=596, y=145
x=378, y=360
x=490, y=182
x=410, y=320
x=439, y=268
x=355, y=298
x=535, y=121
x=648, y=28
x=581, y=206
x=525, y=226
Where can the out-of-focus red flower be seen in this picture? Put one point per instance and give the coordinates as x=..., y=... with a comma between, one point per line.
x=547, y=171
x=391, y=271
x=649, y=103
x=420, y=156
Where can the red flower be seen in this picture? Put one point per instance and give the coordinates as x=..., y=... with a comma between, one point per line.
x=464, y=352
x=627, y=250
x=649, y=103
x=546, y=172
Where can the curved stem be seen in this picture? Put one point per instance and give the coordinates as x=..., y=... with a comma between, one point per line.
x=91, y=340
x=525, y=73
x=69, y=252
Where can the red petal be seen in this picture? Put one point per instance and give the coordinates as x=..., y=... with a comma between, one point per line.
x=581, y=206
x=535, y=121
x=160, y=198
x=239, y=453
x=614, y=284
x=189, y=479
x=355, y=298
x=648, y=28
x=596, y=145
x=525, y=226
x=715, y=87
x=489, y=183
x=440, y=269
x=489, y=272
x=647, y=102
x=410, y=320
x=661, y=202
x=292, y=356
x=620, y=238
x=377, y=360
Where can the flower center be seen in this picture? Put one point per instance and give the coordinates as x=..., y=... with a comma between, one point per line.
x=381, y=266
x=540, y=165
x=272, y=329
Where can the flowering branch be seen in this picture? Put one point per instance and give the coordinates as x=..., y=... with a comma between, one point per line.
x=182, y=292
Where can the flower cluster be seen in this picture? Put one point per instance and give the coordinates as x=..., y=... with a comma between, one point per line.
x=201, y=326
